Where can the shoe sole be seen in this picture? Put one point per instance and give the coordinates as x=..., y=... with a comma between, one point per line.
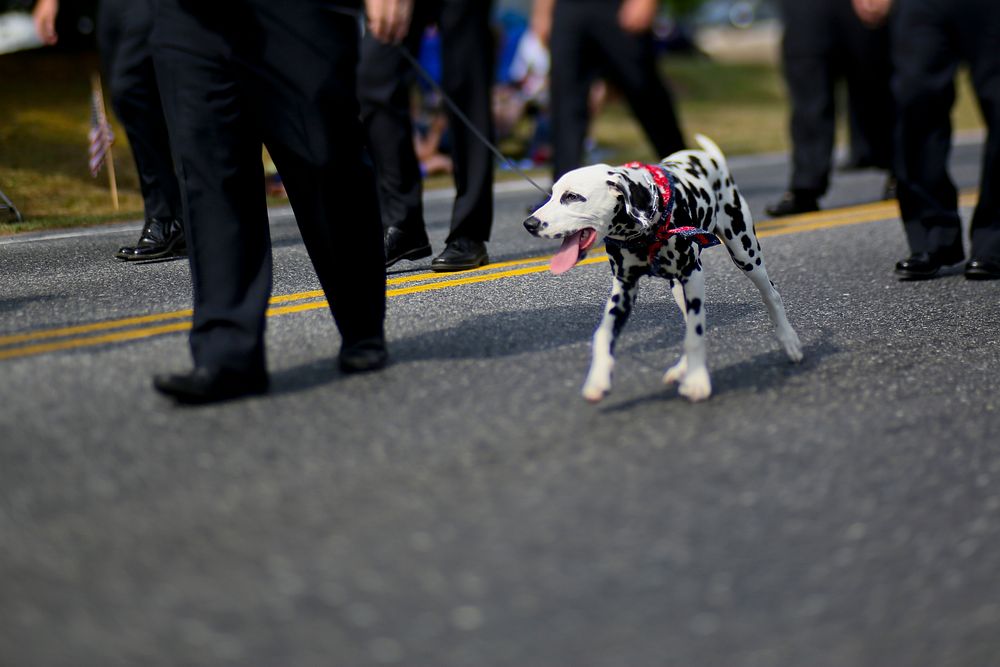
x=906, y=276
x=981, y=275
x=186, y=398
x=416, y=253
x=451, y=268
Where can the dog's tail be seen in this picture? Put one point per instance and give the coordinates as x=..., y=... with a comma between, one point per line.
x=712, y=149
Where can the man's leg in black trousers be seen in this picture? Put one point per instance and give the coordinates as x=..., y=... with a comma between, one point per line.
x=123, y=30
x=319, y=152
x=631, y=63
x=570, y=78
x=217, y=154
x=869, y=74
x=925, y=64
x=467, y=78
x=807, y=52
x=980, y=30
x=807, y=55
x=384, y=78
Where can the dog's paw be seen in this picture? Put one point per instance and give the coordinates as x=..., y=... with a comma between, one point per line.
x=676, y=372
x=594, y=393
x=696, y=385
x=793, y=348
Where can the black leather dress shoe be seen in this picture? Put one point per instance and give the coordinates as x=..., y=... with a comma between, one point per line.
x=792, y=203
x=404, y=245
x=363, y=356
x=461, y=255
x=203, y=385
x=923, y=265
x=982, y=269
x=160, y=238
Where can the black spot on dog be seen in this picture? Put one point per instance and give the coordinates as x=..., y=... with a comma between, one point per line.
x=745, y=240
x=694, y=306
x=699, y=330
x=640, y=197
x=735, y=213
x=622, y=220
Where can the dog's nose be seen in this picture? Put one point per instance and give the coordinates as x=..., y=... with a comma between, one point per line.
x=533, y=224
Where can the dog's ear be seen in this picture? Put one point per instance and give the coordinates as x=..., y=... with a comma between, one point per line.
x=637, y=201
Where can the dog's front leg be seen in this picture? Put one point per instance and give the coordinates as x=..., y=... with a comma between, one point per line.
x=696, y=384
x=677, y=372
x=623, y=293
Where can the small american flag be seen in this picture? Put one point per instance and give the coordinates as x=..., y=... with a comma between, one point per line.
x=101, y=136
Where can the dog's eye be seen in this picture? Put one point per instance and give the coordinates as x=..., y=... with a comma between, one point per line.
x=570, y=197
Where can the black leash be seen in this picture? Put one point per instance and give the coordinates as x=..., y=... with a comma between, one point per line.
x=465, y=119
x=359, y=15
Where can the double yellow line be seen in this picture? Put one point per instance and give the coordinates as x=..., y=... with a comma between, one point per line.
x=146, y=326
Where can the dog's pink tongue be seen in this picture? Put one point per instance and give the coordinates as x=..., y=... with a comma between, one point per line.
x=568, y=254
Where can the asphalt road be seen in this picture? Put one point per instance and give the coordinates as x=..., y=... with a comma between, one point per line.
x=465, y=507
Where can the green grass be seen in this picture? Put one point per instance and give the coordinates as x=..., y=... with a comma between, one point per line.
x=45, y=106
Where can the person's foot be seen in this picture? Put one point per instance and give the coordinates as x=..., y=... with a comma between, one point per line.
x=404, y=245
x=924, y=265
x=363, y=356
x=160, y=238
x=792, y=202
x=982, y=269
x=461, y=255
x=204, y=385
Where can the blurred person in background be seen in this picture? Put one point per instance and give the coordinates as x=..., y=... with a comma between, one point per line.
x=384, y=84
x=930, y=39
x=612, y=39
x=123, y=30
x=824, y=42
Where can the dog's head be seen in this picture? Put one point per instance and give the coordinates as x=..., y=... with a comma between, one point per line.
x=591, y=203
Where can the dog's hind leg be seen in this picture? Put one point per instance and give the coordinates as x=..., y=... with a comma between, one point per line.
x=744, y=248
x=695, y=382
x=619, y=306
x=676, y=372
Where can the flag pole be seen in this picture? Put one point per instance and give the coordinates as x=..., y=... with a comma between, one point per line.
x=95, y=82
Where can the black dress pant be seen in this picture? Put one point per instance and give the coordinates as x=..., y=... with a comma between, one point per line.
x=587, y=42
x=825, y=41
x=930, y=39
x=234, y=74
x=123, y=30
x=384, y=81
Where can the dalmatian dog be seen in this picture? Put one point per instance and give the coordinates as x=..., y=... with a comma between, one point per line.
x=655, y=220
